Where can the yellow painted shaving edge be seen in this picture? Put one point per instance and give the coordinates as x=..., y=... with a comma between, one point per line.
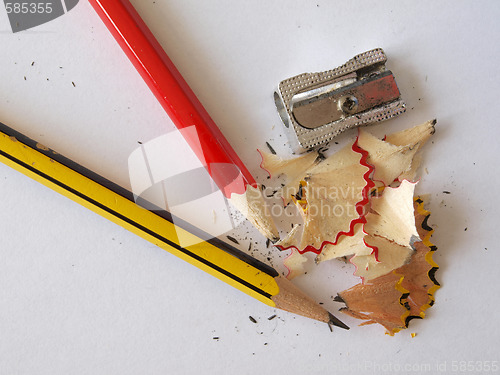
x=428, y=258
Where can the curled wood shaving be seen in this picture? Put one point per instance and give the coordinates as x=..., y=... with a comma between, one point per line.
x=293, y=169
x=389, y=160
x=384, y=256
x=377, y=302
x=359, y=202
x=396, y=298
x=295, y=264
x=347, y=245
x=392, y=215
x=332, y=197
x=393, y=156
x=253, y=206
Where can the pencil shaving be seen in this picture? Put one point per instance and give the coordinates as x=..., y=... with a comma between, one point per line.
x=377, y=302
x=390, y=161
x=383, y=256
x=294, y=264
x=392, y=215
x=393, y=156
x=396, y=298
x=330, y=199
x=253, y=206
x=292, y=169
x=381, y=229
x=346, y=246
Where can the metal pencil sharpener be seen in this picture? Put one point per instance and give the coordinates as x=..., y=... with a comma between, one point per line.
x=316, y=107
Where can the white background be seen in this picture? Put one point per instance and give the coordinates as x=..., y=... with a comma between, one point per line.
x=81, y=295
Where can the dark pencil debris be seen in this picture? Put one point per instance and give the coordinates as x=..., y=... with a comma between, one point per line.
x=232, y=239
x=270, y=148
x=272, y=194
x=336, y=322
x=272, y=317
x=446, y=192
x=252, y=319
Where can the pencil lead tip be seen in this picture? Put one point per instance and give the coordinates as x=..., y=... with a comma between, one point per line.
x=336, y=322
x=338, y=298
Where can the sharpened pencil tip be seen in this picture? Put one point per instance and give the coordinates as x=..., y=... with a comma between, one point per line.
x=338, y=299
x=336, y=322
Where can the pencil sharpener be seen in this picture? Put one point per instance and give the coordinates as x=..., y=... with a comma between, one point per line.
x=316, y=107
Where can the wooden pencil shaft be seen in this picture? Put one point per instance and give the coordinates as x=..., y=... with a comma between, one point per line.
x=214, y=256
x=210, y=146
x=109, y=200
x=292, y=299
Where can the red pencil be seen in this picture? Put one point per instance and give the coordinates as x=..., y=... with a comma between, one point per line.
x=186, y=111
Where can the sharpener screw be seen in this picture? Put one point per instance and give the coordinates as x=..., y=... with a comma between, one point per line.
x=348, y=104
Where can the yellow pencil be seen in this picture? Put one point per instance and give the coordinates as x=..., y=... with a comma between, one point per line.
x=117, y=204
